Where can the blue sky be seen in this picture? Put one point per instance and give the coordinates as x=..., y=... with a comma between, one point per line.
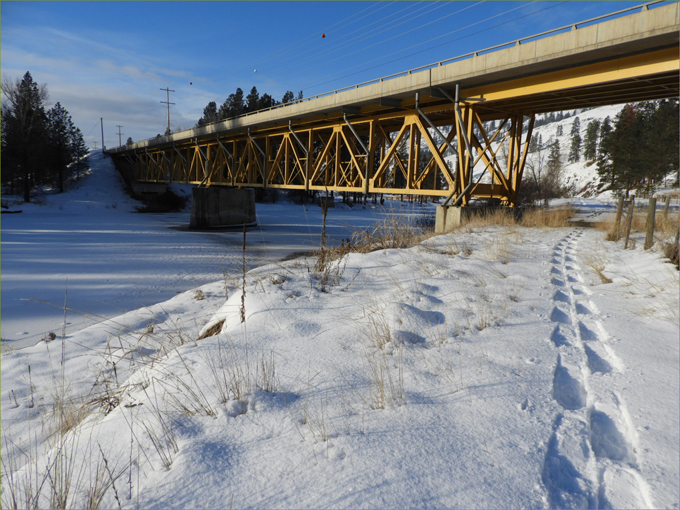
x=110, y=59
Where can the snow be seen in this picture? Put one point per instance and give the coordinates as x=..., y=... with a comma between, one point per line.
x=491, y=367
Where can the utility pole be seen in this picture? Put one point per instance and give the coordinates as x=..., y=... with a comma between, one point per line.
x=167, y=90
x=120, y=140
x=102, y=121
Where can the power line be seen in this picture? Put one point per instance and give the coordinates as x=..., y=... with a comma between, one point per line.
x=437, y=46
x=371, y=33
x=364, y=48
x=326, y=30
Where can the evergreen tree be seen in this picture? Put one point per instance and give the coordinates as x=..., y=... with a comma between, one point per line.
x=209, y=114
x=536, y=143
x=625, y=162
x=24, y=126
x=79, y=150
x=560, y=130
x=129, y=141
x=233, y=106
x=659, y=140
x=266, y=101
x=590, y=141
x=575, y=148
x=553, y=170
x=288, y=97
x=252, y=100
x=60, y=133
x=604, y=164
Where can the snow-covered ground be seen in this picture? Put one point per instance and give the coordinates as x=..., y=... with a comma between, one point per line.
x=91, y=249
x=491, y=367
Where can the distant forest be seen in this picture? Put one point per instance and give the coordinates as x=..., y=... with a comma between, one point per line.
x=39, y=146
x=238, y=104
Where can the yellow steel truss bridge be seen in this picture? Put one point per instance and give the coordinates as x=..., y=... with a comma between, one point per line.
x=367, y=138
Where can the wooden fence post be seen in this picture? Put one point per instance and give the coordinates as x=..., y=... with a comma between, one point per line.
x=649, y=237
x=629, y=220
x=617, y=223
x=665, y=206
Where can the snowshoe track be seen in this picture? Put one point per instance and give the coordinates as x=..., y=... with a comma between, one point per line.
x=592, y=446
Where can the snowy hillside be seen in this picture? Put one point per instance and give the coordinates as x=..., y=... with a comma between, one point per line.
x=582, y=175
x=488, y=368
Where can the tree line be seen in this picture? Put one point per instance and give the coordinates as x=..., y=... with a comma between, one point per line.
x=636, y=150
x=38, y=145
x=639, y=148
x=237, y=104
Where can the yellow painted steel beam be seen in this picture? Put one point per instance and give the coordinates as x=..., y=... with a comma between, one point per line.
x=334, y=160
x=612, y=71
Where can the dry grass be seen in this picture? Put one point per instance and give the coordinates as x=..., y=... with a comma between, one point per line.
x=671, y=251
x=547, y=218
x=664, y=227
x=497, y=248
x=394, y=232
x=509, y=217
x=386, y=385
x=596, y=261
x=503, y=217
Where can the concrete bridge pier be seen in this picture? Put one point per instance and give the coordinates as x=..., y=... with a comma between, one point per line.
x=222, y=207
x=447, y=218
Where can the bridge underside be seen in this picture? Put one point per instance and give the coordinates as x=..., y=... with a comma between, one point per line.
x=380, y=148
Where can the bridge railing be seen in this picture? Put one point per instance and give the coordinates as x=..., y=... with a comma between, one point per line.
x=516, y=42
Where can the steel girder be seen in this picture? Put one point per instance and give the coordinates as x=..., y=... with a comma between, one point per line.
x=404, y=156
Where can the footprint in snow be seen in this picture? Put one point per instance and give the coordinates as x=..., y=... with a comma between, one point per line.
x=565, y=461
x=558, y=337
x=560, y=316
x=568, y=389
x=587, y=333
x=606, y=439
x=562, y=297
x=582, y=309
x=596, y=363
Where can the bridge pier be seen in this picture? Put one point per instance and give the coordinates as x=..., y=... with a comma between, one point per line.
x=447, y=218
x=222, y=207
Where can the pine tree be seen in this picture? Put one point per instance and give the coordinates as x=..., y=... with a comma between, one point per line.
x=79, y=150
x=60, y=132
x=233, y=106
x=209, y=114
x=590, y=141
x=266, y=101
x=641, y=146
x=536, y=143
x=604, y=158
x=575, y=148
x=553, y=171
x=24, y=128
x=288, y=97
x=252, y=100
